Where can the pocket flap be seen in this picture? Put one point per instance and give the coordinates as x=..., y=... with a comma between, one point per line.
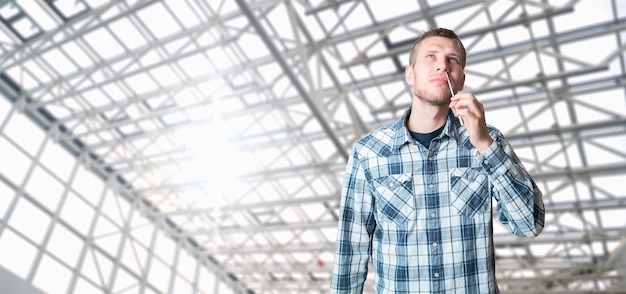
x=469, y=191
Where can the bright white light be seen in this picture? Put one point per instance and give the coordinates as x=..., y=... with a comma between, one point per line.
x=215, y=161
x=215, y=157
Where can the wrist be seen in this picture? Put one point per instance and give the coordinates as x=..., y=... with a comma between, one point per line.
x=483, y=145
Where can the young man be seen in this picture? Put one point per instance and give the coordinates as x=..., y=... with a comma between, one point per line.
x=417, y=194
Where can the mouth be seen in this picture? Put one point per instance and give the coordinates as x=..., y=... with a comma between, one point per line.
x=439, y=80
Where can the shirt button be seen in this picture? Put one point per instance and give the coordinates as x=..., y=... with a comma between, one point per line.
x=492, y=169
x=430, y=158
x=390, y=185
x=434, y=244
x=431, y=186
x=432, y=215
x=436, y=275
x=486, y=161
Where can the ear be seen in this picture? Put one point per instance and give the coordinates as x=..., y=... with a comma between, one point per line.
x=408, y=74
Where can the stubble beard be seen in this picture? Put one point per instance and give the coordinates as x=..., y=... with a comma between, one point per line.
x=431, y=98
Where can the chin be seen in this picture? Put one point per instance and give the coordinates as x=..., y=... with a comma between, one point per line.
x=437, y=101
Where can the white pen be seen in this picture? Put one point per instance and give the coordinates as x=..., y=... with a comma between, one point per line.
x=452, y=92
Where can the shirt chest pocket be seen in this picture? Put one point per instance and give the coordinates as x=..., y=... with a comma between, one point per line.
x=470, y=191
x=394, y=198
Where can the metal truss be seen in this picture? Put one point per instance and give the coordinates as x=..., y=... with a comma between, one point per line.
x=227, y=124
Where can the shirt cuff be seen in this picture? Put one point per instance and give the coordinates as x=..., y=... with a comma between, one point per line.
x=496, y=164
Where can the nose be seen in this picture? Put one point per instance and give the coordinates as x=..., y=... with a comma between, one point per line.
x=442, y=66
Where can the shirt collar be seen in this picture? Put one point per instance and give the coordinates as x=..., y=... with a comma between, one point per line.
x=452, y=129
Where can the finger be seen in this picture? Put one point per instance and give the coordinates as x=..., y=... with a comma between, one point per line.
x=461, y=105
x=463, y=112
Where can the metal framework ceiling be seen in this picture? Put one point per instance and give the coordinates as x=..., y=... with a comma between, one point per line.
x=229, y=122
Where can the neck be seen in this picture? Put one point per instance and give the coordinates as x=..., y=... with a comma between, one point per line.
x=426, y=118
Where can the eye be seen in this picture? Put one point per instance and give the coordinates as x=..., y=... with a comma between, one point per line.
x=453, y=59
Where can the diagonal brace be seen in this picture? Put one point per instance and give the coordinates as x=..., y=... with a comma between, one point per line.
x=292, y=77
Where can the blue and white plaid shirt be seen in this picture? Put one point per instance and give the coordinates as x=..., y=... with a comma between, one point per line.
x=425, y=215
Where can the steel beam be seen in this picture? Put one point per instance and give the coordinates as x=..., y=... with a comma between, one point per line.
x=287, y=69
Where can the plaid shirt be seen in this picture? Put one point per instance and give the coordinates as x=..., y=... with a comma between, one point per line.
x=425, y=215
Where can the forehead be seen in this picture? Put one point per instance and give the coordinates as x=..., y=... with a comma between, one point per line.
x=439, y=44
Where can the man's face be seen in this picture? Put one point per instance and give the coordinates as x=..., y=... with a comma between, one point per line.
x=427, y=76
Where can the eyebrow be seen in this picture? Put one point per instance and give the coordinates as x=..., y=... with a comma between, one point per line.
x=438, y=51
